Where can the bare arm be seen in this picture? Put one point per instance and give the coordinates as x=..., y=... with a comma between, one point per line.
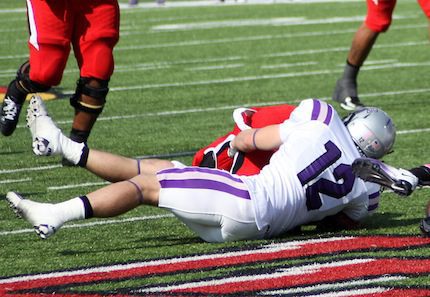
x=266, y=139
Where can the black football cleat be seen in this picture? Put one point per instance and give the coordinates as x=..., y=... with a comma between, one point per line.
x=345, y=93
x=9, y=116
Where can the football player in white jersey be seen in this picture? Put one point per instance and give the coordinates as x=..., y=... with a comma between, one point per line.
x=308, y=178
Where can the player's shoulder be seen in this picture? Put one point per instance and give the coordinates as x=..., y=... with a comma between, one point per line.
x=315, y=110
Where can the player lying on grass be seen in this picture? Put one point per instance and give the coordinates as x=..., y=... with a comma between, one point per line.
x=308, y=178
x=401, y=181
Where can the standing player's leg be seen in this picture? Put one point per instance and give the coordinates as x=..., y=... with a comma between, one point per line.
x=378, y=20
x=96, y=34
x=15, y=96
x=49, y=48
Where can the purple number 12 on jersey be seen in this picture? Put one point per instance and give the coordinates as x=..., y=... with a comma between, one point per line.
x=323, y=185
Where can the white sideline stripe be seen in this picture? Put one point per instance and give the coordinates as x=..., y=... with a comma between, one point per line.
x=96, y=223
x=331, y=286
x=11, y=181
x=269, y=248
x=299, y=270
x=353, y=292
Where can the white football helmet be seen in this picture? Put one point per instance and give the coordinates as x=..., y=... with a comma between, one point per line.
x=372, y=130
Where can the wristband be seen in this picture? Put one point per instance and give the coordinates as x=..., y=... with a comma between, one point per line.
x=253, y=139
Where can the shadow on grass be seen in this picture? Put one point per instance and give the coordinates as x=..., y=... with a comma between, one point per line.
x=372, y=224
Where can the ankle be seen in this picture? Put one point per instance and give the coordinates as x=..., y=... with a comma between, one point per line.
x=16, y=93
x=72, y=150
x=351, y=71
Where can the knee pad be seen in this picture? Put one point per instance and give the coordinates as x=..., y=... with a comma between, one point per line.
x=97, y=93
x=24, y=81
x=379, y=15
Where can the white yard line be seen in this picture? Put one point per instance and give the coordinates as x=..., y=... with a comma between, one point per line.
x=12, y=181
x=286, y=21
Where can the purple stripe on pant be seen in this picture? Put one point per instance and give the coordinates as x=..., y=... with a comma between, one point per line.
x=199, y=178
x=203, y=170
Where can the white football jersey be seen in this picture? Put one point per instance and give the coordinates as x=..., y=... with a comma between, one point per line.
x=310, y=176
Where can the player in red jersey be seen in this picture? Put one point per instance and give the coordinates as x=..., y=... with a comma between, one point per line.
x=91, y=28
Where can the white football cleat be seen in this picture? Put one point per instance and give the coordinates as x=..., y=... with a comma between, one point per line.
x=44, y=132
x=401, y=181
x=43, y=216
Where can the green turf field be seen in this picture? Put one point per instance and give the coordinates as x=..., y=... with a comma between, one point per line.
x=180, y=71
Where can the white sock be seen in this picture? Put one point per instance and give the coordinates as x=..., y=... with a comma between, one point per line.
x=71, y=150
x=72, y=209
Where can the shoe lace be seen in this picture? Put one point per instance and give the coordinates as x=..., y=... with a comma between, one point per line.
x=10, y=109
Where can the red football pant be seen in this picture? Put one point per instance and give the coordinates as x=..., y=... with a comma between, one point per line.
x=91, y=27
